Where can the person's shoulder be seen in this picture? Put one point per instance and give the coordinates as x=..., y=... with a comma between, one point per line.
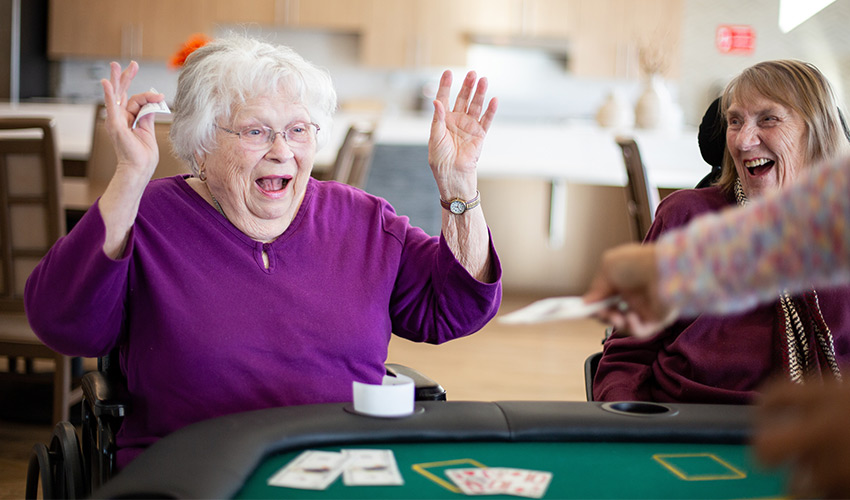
x=338, y=193
x=694, y=201
x=165, y=187
x=357, y=207
x=167, y=184
x=166, y=194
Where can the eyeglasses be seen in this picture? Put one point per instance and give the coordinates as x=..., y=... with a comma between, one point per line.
x=258, y=138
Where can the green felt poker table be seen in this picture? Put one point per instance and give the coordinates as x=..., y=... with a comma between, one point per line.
x=592, y=449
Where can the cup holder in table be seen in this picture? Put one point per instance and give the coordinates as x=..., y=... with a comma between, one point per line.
x=639, y=409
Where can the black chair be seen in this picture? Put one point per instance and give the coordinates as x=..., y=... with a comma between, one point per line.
x=68, y=470
x=712, y=142
x=590, y=366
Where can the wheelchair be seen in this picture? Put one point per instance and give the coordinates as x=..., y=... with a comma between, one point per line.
x=75, y=467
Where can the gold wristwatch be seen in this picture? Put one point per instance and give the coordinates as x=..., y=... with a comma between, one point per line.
x=457, y=206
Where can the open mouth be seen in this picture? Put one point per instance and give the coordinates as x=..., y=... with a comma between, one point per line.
x=272, y=184
x=758, y=166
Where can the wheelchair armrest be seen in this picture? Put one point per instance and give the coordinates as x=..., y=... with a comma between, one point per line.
x=105, y=395
x=427, y=389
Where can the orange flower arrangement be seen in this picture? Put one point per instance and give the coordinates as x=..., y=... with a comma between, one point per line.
x=194, y=42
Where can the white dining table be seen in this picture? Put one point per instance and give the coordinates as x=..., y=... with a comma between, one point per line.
x=74, y=124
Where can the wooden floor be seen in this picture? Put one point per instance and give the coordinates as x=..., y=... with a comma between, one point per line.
x=540, y=362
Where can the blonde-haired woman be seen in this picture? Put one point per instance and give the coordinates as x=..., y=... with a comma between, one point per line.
x=782, y=118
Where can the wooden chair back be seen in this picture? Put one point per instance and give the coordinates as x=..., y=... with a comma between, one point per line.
x=641, y=195
x=31, y=217
x=31, y=220
x=354, y=157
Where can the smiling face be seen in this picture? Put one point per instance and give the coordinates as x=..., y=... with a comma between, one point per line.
x=260, y=191
x=767, y=143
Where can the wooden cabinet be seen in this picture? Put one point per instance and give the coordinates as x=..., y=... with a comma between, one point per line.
x=155, y=29
x=125, y=29
x=603, y=38
x=611, y=34
x=414, y=33
x=261, y=12
x=164, y=26
x=524, y=18
x=336, y=15
x=90, y=28
x=551, y=18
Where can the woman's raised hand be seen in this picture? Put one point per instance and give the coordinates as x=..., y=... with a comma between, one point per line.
x=135, y=147
x=137, y=154
x=457, y=136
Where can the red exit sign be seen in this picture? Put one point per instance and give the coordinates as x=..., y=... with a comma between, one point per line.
x=735, y=39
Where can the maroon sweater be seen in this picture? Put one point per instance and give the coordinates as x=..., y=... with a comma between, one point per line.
x=711, y=359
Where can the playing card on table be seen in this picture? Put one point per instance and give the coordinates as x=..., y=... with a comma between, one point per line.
x=475, y=480
x=524, y=483
x=501, y=481
x=311, y=470
x=371, y=468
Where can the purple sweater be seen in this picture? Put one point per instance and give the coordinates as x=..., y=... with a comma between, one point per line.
x=710, y=359
x=205, y=329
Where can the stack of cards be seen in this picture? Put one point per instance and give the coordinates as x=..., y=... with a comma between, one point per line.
x=316, y=470
x=501, y=481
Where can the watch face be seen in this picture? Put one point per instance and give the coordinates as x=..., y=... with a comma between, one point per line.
x=457, y=207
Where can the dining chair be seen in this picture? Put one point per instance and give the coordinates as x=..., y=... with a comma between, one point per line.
x=641, y=196
x=79, y=193
x=354, y=157
x=31, y=220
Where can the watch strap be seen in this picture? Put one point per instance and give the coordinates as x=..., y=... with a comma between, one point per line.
x=468, y=204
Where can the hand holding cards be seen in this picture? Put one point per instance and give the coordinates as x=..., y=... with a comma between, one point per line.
x=151, y=107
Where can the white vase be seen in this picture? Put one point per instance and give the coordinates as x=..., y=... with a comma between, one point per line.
x=615, y=112
x=654, y=106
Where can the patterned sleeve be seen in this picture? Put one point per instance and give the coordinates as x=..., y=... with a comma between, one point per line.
x=730, y=261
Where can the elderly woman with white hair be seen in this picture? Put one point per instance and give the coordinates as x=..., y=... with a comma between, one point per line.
x=250, y=284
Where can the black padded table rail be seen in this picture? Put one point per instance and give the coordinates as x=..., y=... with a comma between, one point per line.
x=212, y=459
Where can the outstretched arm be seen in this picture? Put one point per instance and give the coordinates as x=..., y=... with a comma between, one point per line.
x=733, y=260
x=457, y=137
